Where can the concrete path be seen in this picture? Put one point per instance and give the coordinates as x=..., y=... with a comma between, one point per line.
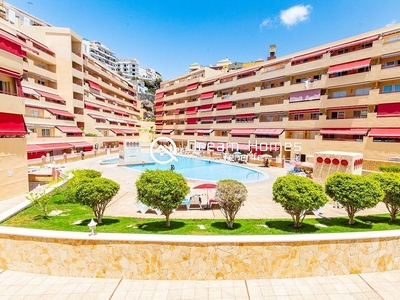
x=18, y=285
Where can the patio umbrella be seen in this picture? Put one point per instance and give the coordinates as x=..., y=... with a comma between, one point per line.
x=206, y=186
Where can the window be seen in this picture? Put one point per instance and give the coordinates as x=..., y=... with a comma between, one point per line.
x=298, y=117
x=34, y=113
x=300, y=80
x=45, y=132
x=4, y=87
x=393, y=39
x=339, y=94
x=391, y=88
x=244, y=105
x=337, y=115
x=363, y=91
x=360, y=114
x=314, y=116
x=41, y=82
x=317, y=77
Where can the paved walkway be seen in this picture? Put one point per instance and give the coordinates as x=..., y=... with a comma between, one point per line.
x=18, y=285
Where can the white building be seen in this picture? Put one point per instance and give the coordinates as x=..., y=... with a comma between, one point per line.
x=129, y=67
x=100, y=53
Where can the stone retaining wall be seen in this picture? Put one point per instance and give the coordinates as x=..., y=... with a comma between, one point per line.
x=171, y=259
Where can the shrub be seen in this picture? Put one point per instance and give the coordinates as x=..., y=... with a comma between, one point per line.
x=390, y=169
x=69, y=192
x=390, y=184
x=96, y=193
x=354, y=192
x=41, y=199
x=297, y=195
x=231, y=195
x=163, y=190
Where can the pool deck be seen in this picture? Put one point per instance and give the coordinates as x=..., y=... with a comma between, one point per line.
x=259, y=204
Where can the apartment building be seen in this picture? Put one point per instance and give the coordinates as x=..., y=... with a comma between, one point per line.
x=128, y=67
x=342, y=96
x=101, y=53
x=54, y=99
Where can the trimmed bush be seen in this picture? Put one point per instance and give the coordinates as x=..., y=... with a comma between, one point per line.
x=389, y=169
x=297, y=195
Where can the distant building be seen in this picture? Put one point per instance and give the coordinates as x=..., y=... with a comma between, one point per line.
x=128, y=67
x=100, y=52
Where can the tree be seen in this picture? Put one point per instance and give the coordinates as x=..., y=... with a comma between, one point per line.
x=390, y=184
x=69, y=192
x=297, y=195
x=231, y=195
x=163, y=190
x=354, y=192
x=96, y=193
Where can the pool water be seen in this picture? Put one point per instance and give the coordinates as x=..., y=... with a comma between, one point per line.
x=201, y=169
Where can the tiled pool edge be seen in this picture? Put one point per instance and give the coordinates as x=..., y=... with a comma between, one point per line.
x=134, y=256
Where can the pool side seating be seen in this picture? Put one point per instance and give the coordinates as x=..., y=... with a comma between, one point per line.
x=143, y=208
x=195, y=199
x=211, y=202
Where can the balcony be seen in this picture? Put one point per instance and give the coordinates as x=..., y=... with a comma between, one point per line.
x=12, y=103
x=357, y=55
x=354, y=79
x=388, y=73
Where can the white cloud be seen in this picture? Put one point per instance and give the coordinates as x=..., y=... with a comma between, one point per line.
x=266, y=22
x=295, y=14
x=391, y=23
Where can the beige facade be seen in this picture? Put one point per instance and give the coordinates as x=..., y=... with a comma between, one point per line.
x=342, y=96
x=67, y=96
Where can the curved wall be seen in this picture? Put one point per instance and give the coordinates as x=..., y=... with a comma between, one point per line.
x=197, y=257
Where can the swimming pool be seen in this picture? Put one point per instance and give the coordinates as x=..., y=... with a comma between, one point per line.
x=201, y=169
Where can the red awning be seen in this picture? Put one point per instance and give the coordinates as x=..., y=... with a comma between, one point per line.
x=206, y=95
x=245, y=116
x=177, y=111
x=304, y=111
x=223, y=118
x=192, y=86
x=206, y=131
x=308, y=55
x=393, y=54
x=191, y=110
x=159, y=122
x=345, y=131
x=189, y=131
x=192, y=121
x=385, y=132
x=268, y=131
x=207, y=119
x=130, y=131
x=251, y=70
x=206, y=107
x=388, y=110
x=349, y=66
x=49, y=147
x=159, y=104
x=94, y=85
x=224, y=105
x=50, y=96
x=167, y=131
x=97, y=117
x=12, y=38
x=209, y=81
x=159, y=95
x=307, y=95
x=347, y=107
x=69, y=129
x=353, y=43
x=34, y=148
x=10, y=73
x=117, y=131
x=37, y=43
x=81, y=144
x=159, y=113
x=60, y=112
x=12, y=124
x=242, y=131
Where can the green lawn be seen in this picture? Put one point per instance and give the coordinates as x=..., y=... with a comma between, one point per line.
x=30, y=218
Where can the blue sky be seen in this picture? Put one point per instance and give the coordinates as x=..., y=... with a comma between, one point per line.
x=170, y=35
